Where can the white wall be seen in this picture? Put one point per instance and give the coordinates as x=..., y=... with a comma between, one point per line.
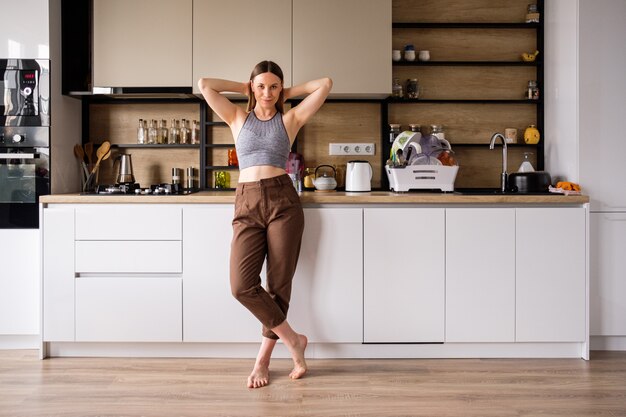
x=24, y=29
x=603, y=102
x=561, y=89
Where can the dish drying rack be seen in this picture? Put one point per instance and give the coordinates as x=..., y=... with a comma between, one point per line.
x=421, y=177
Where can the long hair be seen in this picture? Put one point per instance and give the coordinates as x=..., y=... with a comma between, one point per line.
x=260, y=68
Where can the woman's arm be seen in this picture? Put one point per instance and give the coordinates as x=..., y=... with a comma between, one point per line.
x=316, y=92
x=211, y=89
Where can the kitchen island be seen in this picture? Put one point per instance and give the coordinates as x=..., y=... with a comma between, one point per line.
x=380, y=275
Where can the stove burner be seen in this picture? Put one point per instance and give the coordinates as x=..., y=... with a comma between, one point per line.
x=135, y=189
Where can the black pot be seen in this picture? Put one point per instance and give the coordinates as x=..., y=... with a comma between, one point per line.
x=530, y=182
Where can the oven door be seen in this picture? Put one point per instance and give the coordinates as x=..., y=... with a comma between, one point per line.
x=24, y=176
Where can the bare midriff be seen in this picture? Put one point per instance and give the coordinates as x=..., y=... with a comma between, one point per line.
x=259, y=172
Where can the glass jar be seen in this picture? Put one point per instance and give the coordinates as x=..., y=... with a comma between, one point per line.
x=532, y=91
x=437, y=131
x=195, y=133
x=222, y=179
x=164, y=131
x=532, y=14
x=232, y=158
x=415, y=128
x=394, y=130
x=412, y=88
x=396, y=89
x=152, y=132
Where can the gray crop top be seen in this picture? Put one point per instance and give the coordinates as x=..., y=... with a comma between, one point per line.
x=263, y=142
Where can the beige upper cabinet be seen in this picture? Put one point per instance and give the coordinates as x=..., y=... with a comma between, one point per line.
x=142, y=43
x=231, y=37
x=347, y=40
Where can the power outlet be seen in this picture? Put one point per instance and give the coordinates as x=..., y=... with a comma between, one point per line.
x=351, y=149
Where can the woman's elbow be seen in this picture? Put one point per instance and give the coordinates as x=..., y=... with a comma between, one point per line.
x=203, y=83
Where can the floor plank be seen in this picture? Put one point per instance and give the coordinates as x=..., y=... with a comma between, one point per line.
x=342, y=388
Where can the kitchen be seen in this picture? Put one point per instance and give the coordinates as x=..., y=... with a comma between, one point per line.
x=567, y=99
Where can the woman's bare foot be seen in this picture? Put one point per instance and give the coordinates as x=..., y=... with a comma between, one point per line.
x=299, y=364
x=259, y=377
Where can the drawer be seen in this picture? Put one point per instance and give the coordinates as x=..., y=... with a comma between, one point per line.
x=129, y=256
x=129, y=310
x=145, y=222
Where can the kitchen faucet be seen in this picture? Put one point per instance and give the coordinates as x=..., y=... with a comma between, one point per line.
x=503, y=176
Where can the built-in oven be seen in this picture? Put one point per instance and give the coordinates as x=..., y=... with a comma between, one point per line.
x=24, y=140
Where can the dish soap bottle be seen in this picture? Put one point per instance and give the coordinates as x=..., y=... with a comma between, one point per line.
x=526, y=166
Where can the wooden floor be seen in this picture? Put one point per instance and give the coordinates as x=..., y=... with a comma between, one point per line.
x=377, y=388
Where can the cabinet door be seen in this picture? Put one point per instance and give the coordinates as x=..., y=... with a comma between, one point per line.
x=58, y=274
x=20, y=281
x=25, y=29
x=347, y=40
x=231, y=37
x=606, y=274
x=210, y=312
x=550, y=286
x=480, y=275
x=124, y=309
x=142, y=43
x=327, y=296
x=403, y=276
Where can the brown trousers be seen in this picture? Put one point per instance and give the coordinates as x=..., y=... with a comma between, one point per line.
x=268, y=222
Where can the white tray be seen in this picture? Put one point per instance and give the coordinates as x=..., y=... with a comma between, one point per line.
x=422, y=177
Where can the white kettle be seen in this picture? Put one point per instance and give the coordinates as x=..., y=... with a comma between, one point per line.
x=358, y=176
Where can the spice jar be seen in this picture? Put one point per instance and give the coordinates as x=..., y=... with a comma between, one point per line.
x=396, y=89
x=415, y=127
x=412, y=88
x=532, y=14
x=532, y=91
x=232, y=158
x=437, y=130
x=394, y=130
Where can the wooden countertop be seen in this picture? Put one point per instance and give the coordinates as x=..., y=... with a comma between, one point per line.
x=308, y=197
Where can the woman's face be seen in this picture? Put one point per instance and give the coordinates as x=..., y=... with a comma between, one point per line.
x=266, y=88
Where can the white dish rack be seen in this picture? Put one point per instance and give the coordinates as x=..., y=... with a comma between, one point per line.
x=421, y=177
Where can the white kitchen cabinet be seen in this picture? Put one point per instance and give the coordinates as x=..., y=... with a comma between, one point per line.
x=230, y=38
x=606, y=274
x=24, y=32
x=19, y=281
x=347, y=40
x=58, y=274
x=404, y=275
x=142, y=43
x=210, y=312
x=327, y=295
x=127, y=309
x=480, y=275
x=551, y=269
x=137, y=256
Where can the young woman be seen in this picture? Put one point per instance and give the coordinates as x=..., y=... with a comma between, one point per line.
x=268, y=220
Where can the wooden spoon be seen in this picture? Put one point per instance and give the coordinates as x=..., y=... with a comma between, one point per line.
x=80, y=155
x=103, y=150
x=89, y=152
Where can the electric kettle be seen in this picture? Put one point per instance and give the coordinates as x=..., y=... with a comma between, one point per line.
x=125, y=173
x=358, y=176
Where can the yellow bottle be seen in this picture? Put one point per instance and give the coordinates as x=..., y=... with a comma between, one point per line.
x=531, y=135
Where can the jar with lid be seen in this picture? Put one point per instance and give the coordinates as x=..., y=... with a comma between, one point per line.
x=437, y=131
x=394, y=130
x=412, y=88
x=415, y=127
x=142, y=134
x=532, y=14
x=396, y=89
x=532, y=91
